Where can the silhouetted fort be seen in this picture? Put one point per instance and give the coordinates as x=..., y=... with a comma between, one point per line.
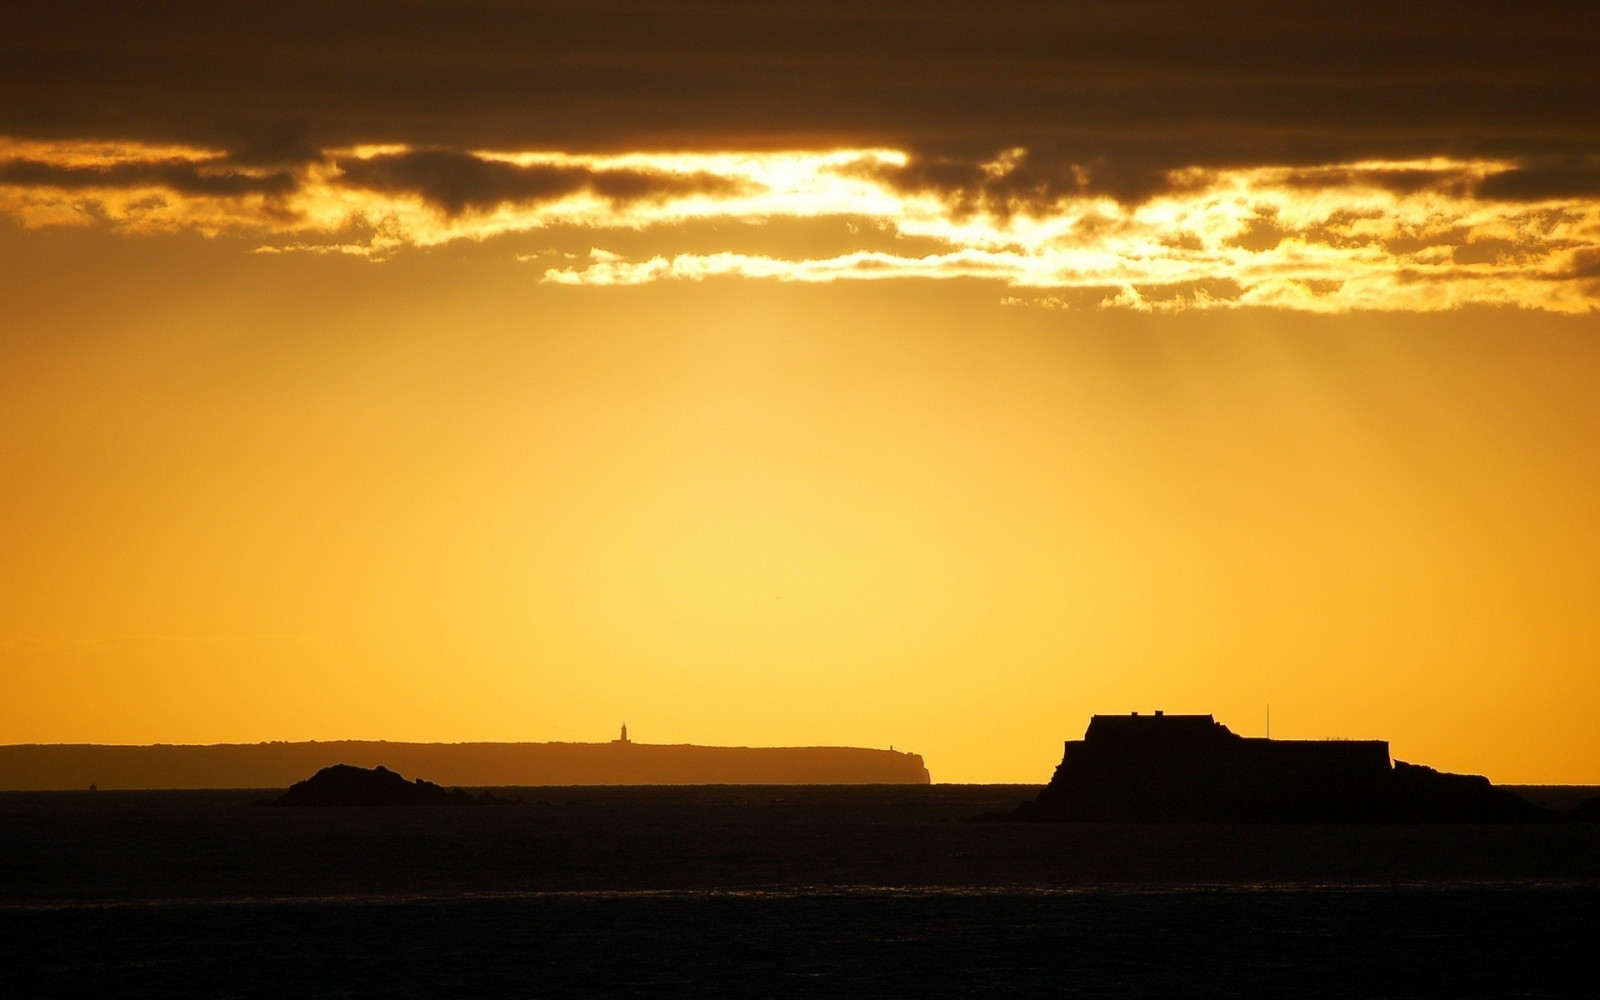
x=1191, y=768
x=617, y=762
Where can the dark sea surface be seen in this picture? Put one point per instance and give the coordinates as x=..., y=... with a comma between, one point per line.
x=774, y=891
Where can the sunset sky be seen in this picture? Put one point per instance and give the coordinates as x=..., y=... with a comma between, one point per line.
x=854, y=373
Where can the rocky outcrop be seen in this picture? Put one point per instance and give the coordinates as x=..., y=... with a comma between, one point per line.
x=1192, y=769
x=346, y=785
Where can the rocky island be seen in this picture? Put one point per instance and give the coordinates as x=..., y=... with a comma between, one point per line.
x=1192, y=769
x=346, y=785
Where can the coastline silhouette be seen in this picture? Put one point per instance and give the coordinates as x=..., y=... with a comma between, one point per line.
x=1192, y=769
x=616, y=762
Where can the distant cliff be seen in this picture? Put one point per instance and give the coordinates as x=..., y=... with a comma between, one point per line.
x=1193, y=769
x=277, y=765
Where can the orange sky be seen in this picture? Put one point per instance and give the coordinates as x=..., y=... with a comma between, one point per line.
x=743, y=437
x=287, y=497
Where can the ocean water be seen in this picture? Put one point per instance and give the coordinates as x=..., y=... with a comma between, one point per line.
x=771, y=892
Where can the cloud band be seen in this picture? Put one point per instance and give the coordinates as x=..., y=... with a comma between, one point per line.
x=1423, y=234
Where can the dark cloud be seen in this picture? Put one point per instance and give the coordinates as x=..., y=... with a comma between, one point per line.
x=1533, y=179
x=641, y=185
x=1263, y=233
x=284, y=146
x=970, y=187
x=457, y=181
x=1005, y=181
x=1584, y=263
x=452, y=180
x=1402, y=182
x=1575, y=177
x=181, y=176
x=1127, y=89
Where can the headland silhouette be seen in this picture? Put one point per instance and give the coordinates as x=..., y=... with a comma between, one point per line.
x=1192, y=769
x=616, y=762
